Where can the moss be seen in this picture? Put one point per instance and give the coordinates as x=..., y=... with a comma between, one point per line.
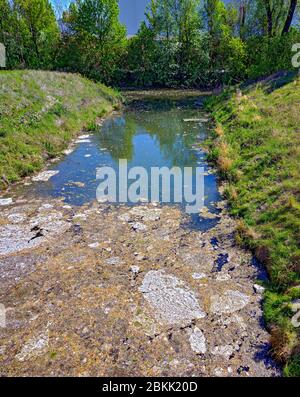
x=40, y=112
x=260, y=132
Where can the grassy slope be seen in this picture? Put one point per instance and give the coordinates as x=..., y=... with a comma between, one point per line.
x=256, y=147
x=39, y=114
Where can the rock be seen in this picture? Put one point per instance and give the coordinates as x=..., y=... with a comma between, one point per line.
x=46, y=206
x=16, y=218
x=219, y=372
x=140, y=257
x=34, y=347
x=206, y=214
x=199, y=276
x=94, y=245
x=172, y=302
x=223, y=277
x=140, y=227
x=135, y=269
x=198, y=342
x=258, y=289
x=146, y=213
x=226, y=351
x=229, y=302
x=6, y=201
x=44, y=176
x=114, y=261
x=20, y=236
x=78, y=217
x=68, y=151
x=124, y=217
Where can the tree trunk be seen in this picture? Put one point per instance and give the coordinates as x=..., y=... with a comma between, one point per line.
x=242, y=19
x=289, y=18
x=269, y=17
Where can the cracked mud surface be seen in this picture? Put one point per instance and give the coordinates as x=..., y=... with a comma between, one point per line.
x=118, y=291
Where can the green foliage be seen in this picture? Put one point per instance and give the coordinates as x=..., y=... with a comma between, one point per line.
x=268, y=55
x=96, y=40
x=184, y=43
x=30, y=33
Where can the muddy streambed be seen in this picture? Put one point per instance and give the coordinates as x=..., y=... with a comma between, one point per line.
x=93, y=289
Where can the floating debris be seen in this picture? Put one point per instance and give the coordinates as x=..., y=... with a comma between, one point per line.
x=83, y=141
x=44, y=176
x=202, y=120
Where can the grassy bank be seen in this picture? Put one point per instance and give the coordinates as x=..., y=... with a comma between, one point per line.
x=40, y=112
x=256, y=147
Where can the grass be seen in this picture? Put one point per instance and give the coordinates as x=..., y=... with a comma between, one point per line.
x=40, y=112
x=256, y=147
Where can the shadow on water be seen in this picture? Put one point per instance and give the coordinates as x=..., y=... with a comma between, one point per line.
x=150, y=132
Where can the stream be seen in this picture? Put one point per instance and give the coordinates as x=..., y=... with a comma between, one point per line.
x=152, y=131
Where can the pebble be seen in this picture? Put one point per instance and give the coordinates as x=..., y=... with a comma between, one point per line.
x=198, y=342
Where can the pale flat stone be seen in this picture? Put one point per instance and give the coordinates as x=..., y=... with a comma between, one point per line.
x=93, y=245
x=147, y=214
x=223, y=277
x=135, y=269
x=16, y=218
x=258, y=289
x=198, y=342
x=114, y=261
x=34, y=347
x=226, y=351
x=6, y=201
x=139, y=227
x=229, y=302
x=199, y=276
x=171, y=300
x=44, y=176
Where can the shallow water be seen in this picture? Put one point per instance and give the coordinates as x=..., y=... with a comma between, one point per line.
x=150, y=132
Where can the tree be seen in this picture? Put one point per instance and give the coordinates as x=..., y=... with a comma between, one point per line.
x=97, y=36
x=40, y=26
